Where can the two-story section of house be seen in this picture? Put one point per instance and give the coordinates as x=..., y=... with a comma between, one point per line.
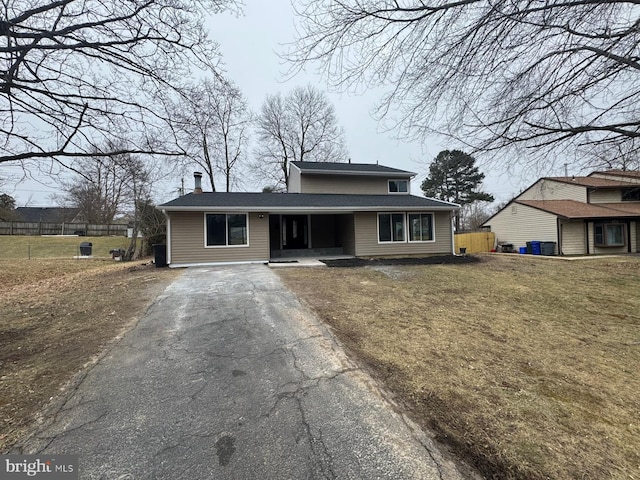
x=596, y=214
x=330, y=209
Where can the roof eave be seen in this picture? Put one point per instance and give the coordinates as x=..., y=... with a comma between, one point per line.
x=400, y=174
x=276, y=209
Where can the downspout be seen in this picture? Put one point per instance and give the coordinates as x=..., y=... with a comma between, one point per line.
x=453, y=236
x=586, y=235
x=559, y=235
x=168, y=236
x=628, y=236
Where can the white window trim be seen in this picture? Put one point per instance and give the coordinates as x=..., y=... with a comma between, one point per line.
x=433, y=227
x=404, y=222
x=398, y=180
x=226, y=230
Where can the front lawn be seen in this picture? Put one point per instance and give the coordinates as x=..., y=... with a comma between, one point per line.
x=527, y=367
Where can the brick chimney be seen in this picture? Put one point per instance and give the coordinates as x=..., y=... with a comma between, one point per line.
x=197, y=177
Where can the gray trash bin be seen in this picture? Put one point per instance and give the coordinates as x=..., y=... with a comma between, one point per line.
x=85, y=249
x=548, y=248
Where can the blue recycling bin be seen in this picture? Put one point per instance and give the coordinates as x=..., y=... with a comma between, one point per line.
x=536, y=248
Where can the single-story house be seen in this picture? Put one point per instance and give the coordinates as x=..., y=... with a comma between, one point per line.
x=329, y=209
x=596, y=214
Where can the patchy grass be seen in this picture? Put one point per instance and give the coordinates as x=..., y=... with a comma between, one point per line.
x=57, y=315
x=32, y=247
x=527, y=367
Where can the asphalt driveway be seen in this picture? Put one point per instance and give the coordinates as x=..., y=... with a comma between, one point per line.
x=228, y=377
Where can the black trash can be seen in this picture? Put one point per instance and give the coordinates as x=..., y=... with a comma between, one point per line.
x=160, y=255
x=85, y=249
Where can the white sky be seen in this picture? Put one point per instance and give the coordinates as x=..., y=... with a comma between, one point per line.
x=250, y=46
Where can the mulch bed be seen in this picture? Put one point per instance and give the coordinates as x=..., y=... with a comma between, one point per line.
x=431, y=260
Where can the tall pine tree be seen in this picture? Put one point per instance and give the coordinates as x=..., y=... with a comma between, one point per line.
x=454, y=177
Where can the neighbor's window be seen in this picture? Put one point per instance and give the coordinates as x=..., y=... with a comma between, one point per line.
x=420, y=227
x=631, y=194
x=226, y=229
x=609, y=235
x=391, y=227
x=398, y=186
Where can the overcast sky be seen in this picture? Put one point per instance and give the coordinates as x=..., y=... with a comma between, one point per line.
x=250, y=45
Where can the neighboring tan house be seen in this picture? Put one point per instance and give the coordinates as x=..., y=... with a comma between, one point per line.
x=596, y=214
x=329, y=209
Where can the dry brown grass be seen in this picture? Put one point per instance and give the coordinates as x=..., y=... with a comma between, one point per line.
x=57, y=315
x=527, y=367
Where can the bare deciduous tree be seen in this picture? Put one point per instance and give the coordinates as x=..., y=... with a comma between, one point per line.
x=76, y=72
x=108, y=185
x=552, y=76
x=213, y=120
x=301, y=126
x=98, y=188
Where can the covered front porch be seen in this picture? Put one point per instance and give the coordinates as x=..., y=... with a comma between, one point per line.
x=311, y=235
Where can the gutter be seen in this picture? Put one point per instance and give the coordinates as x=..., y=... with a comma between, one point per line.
x=168, y=236
x=453, y=234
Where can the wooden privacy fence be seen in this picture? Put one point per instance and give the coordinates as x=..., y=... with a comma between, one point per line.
x=47, y=228
x=475, y=242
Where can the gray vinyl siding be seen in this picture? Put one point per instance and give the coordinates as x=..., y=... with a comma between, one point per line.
x=187, y=241
x=346, y=225
x=605, y=196
x=574, y=237
x=294, y=180
x=348, y=184
x=634, y=227
x=545, y=189
x=518, y=224
x=366, y=237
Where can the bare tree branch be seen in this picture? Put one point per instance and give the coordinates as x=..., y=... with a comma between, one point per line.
x=74, y=74
x=213, y=119
x=495, y=75
x=301, y=126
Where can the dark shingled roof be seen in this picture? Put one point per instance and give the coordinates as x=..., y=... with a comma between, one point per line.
x=47, y=214
x=349, y=168
x=302, y=201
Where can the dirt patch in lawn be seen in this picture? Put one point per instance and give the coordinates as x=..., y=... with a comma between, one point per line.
x=430, y=260
x=57, y=316
x=527, y=368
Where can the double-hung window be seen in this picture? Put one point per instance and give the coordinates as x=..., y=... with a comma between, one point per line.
x=391, y=227
x=609, y=234
x=226, y=229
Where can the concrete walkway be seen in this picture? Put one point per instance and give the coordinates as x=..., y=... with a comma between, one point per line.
x=228, y=377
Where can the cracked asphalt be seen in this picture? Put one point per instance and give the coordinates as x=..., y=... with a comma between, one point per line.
x=228, y=376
